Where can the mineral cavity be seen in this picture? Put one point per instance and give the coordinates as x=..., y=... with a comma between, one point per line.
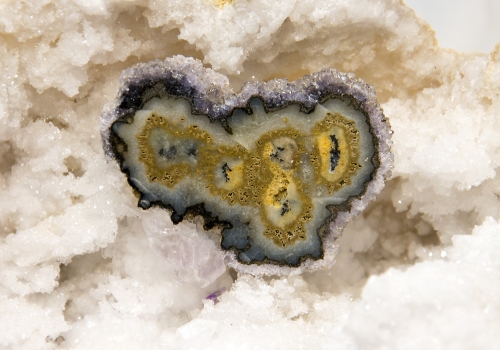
x=271, y=167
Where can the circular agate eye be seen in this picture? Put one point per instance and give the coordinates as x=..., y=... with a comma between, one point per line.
x=278, y=168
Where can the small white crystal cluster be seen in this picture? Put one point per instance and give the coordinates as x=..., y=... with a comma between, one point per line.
x=418, y=268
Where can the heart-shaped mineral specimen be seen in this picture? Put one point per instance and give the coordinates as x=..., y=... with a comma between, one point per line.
x=279, y=168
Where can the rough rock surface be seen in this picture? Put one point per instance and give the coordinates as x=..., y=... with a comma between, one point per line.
x=419, y=268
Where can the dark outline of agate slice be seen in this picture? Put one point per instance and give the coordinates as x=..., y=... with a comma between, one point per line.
x=209, y=94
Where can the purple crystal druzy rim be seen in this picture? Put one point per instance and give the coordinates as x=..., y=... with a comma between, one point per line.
x=209, y=94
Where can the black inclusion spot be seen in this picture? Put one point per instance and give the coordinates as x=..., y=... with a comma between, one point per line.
x=225, y=170
x=192, y=151
x=334, y=153
x=274, y=156
x=285, y=208
x=169, y=153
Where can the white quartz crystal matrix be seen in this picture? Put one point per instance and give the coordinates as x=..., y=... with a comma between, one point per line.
x=419, y=268
x=191, y=252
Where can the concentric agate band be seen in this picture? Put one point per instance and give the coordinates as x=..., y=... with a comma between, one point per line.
x=279, y=168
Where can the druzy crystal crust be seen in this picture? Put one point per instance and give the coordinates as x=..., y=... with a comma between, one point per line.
x=278, y=168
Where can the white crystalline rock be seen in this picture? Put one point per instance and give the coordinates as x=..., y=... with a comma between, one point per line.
x=190, y=252
x=453, y=155
x=411, y=309
x=419, y=267
x=31, y=323
x=451, y=303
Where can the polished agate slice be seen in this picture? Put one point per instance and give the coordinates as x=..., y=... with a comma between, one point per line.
x=277, y=169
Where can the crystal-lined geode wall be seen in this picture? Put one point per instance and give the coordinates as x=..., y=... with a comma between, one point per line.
x=278, y=168
x=76, y=264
